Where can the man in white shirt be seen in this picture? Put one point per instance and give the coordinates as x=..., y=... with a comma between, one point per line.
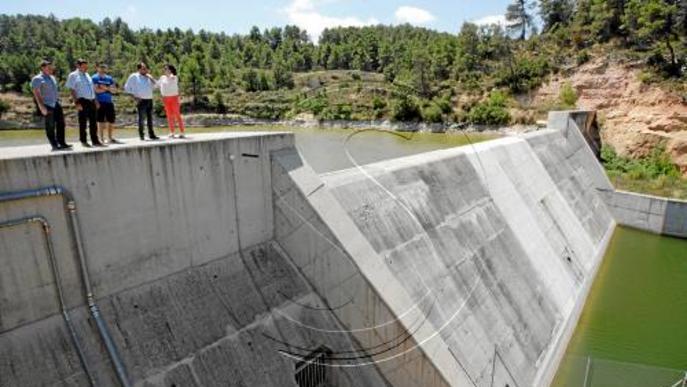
x=140, y=85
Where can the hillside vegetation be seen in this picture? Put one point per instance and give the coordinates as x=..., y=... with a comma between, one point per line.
x=393, y=72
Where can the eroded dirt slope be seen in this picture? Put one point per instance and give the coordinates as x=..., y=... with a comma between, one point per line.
x=635, y=116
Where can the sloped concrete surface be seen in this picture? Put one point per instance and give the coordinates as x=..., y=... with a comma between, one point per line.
x=514, y=232
x=336, y=258
x=215, y=325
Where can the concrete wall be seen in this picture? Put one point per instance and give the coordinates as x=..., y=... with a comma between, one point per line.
x=145, y=212
x=649, y=213
x=213, y=259
x=645, y=212
x=179, y=241
x=506, y=236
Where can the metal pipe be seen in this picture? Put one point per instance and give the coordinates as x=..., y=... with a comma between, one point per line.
x=58, y=284
x=113, y=352
x=70, y=208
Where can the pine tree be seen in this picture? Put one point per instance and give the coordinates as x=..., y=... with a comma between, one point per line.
x=556, y=13
x=518, y=18
x=654, y=21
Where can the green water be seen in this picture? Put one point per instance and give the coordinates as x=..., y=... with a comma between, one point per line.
x=322, y=148
x=634, y=324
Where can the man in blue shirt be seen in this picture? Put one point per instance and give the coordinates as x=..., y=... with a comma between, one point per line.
x=140, y=85
x=83, y=95
x=47, y=97
x=104, y=86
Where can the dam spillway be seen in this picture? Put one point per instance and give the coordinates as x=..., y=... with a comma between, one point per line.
x=226, y=260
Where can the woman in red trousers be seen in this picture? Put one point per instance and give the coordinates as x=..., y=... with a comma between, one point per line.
x=169, y=88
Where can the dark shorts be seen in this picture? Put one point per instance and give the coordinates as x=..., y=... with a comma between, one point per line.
x=106, y=113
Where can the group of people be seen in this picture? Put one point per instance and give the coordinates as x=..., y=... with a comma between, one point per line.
x=93, y=99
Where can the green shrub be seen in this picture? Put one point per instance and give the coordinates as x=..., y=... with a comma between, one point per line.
x=378, y=103
x=378, y=107
x=524, y=75
x=250, y=80
x=492, y=111
x=583, y=57
x=432, y=113
x=267, y=111
x=568, y=96
x=283, y=78
x=658, y=163
x=218, y=102
x=405, y=108
x=337, y=112
x=443, y=103
x=4, y=107
x=315, y=105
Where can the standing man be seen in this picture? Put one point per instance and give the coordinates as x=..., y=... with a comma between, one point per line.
x=83, y=94
x=104, y=87
x=140, y=85
x=46, y=95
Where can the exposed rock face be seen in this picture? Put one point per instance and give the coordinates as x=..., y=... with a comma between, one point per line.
x=636, y=117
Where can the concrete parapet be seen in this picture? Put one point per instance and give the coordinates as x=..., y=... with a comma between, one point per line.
x=654, y=214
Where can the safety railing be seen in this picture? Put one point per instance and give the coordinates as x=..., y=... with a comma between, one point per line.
x=595, y=372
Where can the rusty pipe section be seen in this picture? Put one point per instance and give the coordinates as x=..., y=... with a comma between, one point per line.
x=70, y=208
x=43, y=222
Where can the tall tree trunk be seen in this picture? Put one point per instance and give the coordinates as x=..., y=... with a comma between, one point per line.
x=673, y=61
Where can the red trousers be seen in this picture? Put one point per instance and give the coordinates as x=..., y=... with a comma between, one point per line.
x=173, y=112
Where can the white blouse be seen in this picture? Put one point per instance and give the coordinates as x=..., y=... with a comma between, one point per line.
x=169, y=86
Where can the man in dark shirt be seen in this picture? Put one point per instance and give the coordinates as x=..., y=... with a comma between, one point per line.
x=104, y=86
x=47, y=97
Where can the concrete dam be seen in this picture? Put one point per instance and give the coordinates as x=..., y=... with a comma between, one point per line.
x=225, y=260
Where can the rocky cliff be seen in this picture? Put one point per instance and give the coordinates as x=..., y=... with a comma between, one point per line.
x=635, y=116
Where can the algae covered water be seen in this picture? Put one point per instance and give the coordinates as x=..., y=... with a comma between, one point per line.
x=633, y=329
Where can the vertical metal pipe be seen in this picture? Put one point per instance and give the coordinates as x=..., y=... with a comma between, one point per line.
x=70, y=207
x=106, y=337
x=58, y=285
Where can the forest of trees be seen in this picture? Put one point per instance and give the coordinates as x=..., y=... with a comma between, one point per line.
x=540, y=37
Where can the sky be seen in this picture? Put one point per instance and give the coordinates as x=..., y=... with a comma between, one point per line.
x=234, y=16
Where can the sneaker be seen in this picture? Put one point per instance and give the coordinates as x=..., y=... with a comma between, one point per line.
x=86, y=145
x=55, y=148
x=172, y=136
x=182, y=135
x=115, y=141
x=66, y=146
x=154, y=137
x=99, y=145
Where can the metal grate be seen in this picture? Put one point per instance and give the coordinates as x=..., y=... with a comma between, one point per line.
x=312, y=370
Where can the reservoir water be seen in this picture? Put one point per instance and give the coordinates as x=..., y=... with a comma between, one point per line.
x=324, y=149
x=633, y=329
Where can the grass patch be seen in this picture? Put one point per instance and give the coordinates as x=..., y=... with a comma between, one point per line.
x=654, y=175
